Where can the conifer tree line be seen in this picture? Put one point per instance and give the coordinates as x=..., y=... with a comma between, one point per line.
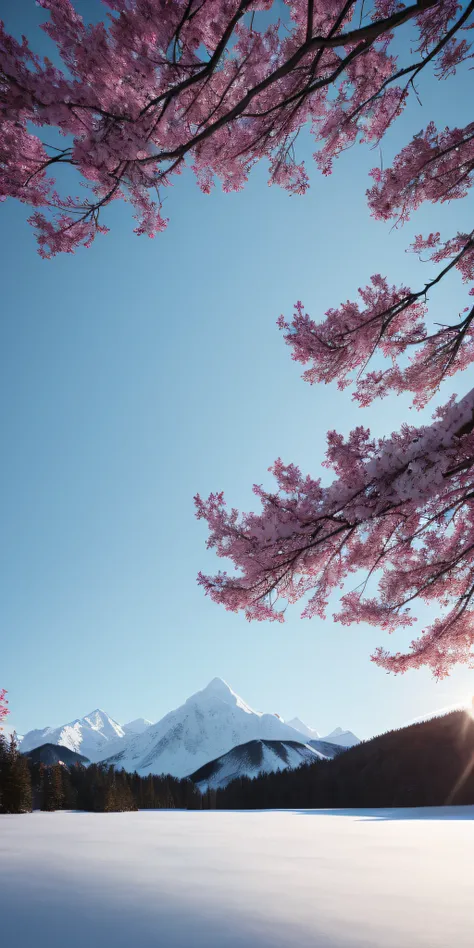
x=27, y=785
x=426, y=764
x=15, y=779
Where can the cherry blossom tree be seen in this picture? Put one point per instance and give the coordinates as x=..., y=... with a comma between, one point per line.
x=3, y=705
x=400, y=511
x=217, y=85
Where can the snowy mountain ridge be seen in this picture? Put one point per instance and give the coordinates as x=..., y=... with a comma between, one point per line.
x=209, y=724
x=261, y=757
x=254, y=758
x=303, y=728
x=88, y=735
x=339, y=736
x=137, y=726
x=342, y=737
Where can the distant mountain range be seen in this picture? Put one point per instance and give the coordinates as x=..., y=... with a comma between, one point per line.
x=341, y=737
x=90, y=735
x=428, y=764
x=137, y=726
x=207, y=726
x=338, y=736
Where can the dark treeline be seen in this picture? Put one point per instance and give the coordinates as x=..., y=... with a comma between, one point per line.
x=427, y=764
x=15, y=779
x=26, y=785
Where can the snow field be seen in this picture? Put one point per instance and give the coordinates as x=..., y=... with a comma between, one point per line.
x=175, y=879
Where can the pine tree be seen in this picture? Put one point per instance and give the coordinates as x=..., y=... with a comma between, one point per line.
x=148, y=796
x=125, y=800
x=68, y=790
x=3, y=770
x=15, y=780
x=22, y=780
x=110, y=802
x=193, y=797
x=53, y=793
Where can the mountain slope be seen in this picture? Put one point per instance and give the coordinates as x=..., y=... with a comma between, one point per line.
x=425, y=764
x=303, y=728
x=89, y=735
x=207, y=725
x=344, y=738
x=138, y=726
x=50, y=754
x=328, y=750
x=252, y=759
x=338, y=736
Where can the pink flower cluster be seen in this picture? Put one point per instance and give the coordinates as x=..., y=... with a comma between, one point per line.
x=219, y=86
x=163, y=83
x=402, y=505
x=3, y=706
x=400, y=511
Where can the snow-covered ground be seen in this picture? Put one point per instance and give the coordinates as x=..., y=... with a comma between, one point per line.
x=164, y=879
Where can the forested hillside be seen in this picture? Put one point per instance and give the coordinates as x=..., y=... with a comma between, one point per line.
x=427, y=764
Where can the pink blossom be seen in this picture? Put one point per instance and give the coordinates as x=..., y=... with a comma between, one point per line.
x=165, y=83
x=162, y=83
x=3, y=706
x=401, y=508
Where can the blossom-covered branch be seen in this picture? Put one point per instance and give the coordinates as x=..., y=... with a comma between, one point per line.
x=3, y=706
x=403, y=506
x=400, y=512
x=391, y=321
x=166, y=82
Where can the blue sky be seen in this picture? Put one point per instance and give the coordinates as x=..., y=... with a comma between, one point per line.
x=139, y=372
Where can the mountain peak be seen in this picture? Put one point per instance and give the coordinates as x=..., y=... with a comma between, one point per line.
x=209, y=724
x=137, y=726
x=343, y=737
x=219, y=690
x=86, y=735
x=218, y=687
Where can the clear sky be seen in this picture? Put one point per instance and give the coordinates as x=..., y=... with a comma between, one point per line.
x=139, y=372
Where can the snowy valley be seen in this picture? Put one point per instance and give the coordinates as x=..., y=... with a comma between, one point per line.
x=172, y=879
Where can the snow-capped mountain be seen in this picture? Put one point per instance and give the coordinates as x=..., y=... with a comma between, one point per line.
x=254, y=758
x=89, y=735
x=207, y=725
x=342, y=737
x=303, y=728
x=338, y=736
x=138, y=726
